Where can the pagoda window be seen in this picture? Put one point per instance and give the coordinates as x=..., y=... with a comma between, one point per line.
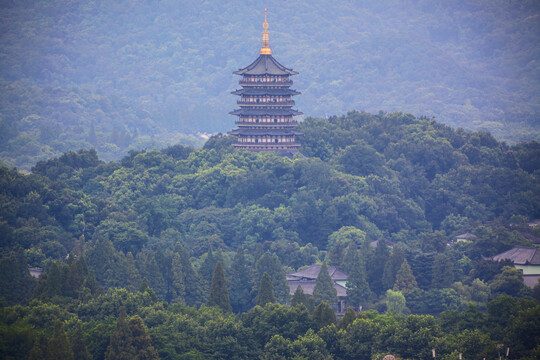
x=275, y=120
x=256, y=141
x=257, y=120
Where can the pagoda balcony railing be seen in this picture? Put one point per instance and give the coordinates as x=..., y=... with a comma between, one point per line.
x=265, y=83
x=266, y=145
x=265, y=104
x=266, y=123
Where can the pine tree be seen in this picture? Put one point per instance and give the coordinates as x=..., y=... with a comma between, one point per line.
x=324, y=287
x=266, y=291
x=92, y=138
x=219, y=295
x=324, y=315
x=443, y=272
x=376, y=267
x=405, y=280
x=347, y=319
x=192, y=282
x=140, y=340
x=206, y=269
x=299, y=297
x=80, y=350
x=16, y=283
x=358, y=291
x=350, y=257
x=240, y=284
x=59, y=346
x=39, y=350
x=392, y=267
x=178, y=287
x=120, y=346
x=270, y=264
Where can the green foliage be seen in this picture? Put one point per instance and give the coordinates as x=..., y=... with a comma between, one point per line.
x=240, y=283
x=16, y=284
x=395, y=302
x=405, y=280
x=58, y=346
x=265, y=294
x=323, y=315
x=358, y=291
x=324, y=287
x=219, y=294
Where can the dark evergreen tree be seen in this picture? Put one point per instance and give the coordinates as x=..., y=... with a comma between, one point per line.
x=443, y=272
x=392, y=267
x=207, y=267
x=16, y=283
x=59, y=346
x=240, y=283
x=405, y=280
x=350, y=258
x=347, y=319
x=299, y=297
x=265, y=294
x=140, y=340
x=324, y=287
x=219, y=295
x=178, y=280
x=270, y=264
x=149, y=269
x=80, y=350
x=358, y=291
x=121, y=346
x=192, y=282
x=39, y=350
x=324, y=315
x=376, y=265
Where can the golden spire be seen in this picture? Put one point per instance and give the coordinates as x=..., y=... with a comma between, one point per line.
x=265, y=50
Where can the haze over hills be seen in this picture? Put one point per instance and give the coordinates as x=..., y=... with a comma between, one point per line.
x=120, y=75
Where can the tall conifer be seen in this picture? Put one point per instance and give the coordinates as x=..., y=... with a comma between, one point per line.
x=120, y=346
x=358, y=291
x=240, y=283
x=324, y=287
x=140, y=340
x=405, y=280
x=219, y=295
x=266, y=291
x=59, y=346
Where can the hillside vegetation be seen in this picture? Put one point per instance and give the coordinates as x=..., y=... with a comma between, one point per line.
x=151, y=254
x=120, y=75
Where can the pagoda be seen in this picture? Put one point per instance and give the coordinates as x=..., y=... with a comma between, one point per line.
x=266, y=117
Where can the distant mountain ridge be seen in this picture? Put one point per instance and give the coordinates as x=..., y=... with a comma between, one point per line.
x=166, y=67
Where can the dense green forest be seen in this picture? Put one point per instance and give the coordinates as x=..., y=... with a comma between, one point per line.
x=120, y=75
x=167, y=253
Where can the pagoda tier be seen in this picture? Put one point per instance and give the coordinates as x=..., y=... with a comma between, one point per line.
x=266, y=117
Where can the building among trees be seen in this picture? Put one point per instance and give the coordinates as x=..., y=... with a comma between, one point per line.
x=526, y=259
x=307, y=279
x=266, y=117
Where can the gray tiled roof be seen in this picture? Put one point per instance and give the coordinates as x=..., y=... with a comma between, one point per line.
x=520, y=255
x=312, y=272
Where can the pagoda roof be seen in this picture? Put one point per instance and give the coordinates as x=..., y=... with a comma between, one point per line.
x=265, y=91
x=260, y=132
x=267, y=111
x=265, y=65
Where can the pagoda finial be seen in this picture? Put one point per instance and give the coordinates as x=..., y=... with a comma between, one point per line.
x=265, y=50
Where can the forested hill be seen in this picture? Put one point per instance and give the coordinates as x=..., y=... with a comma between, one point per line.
x=119, y=75
x=160, y=230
